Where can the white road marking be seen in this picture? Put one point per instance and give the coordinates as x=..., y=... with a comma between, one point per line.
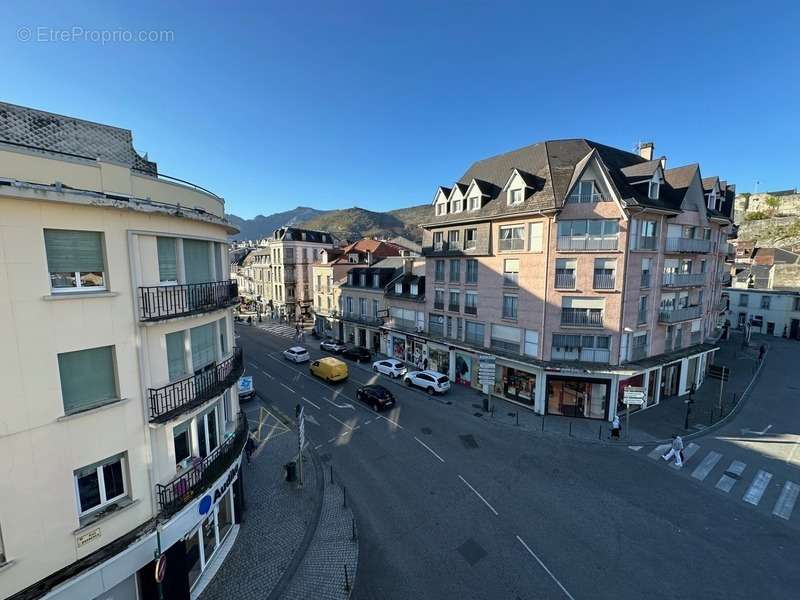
x=332, y=403
x=333, y=439
x=368, y=422
x=785, y=504
x=754, y=432
x=790, y=460
x=491, y=508
x=757, y=487
x=726, y=482
x=344, y=434
x=658, y=451
x=635, y=448
x=311, y=419
x=395, y=423
x=688, y=453
x=288, y=388
x=318, y=446
x=708, y=464
x=428, y=448
x=340, y=421
x=310, y=402
x=549, y=572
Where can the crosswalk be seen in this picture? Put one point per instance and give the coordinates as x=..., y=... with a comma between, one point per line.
x=756, y=484
x=279, y=329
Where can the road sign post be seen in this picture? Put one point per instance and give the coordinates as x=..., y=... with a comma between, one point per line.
x=486, y=375
x=631, y=395
x=301, y=440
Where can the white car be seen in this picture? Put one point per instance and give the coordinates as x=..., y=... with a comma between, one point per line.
x=390, y=366
x=296, y=354
x=430, y=381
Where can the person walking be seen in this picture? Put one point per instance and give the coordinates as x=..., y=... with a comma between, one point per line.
x=676, y=450
x=615, y=428
x=249, y=447
x=761, y=352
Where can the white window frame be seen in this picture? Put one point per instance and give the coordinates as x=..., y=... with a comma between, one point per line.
x=474, y=203
x=654, y=185
x=104, y=501
x=521, y=238
x=398, y=287
x=530, y=348
x=516, y=192
x=414, y=289
x=536, y=240
x=457, y=206
x=441, y=209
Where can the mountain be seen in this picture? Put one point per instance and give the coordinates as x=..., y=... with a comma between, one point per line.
x=262, y=226
x=348, y=223
x=770, y=219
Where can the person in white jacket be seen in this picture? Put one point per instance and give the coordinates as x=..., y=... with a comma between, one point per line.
x=676, y=450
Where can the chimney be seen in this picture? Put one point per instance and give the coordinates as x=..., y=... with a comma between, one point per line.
x=663, y=160
x=408, y=265
x=369, y=258
x=646, y=150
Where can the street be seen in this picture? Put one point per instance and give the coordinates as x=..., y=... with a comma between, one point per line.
x=452, y=505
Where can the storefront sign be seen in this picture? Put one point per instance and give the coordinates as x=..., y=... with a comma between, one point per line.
x=87, y=537
x=207, y=501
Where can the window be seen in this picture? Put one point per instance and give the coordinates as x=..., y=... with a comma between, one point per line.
x=452, y=239
x=376, y=281
x=511, y=272
x=565, y=273
x=471, y=275
x=456, y=208
x=222, y=326
x=182, y=441
x=398, y=287
x=455, y=301
x=289, y=255
x=505, y=338
x=203, y=346
x=470, y=239
x=352, y=258
x=362, y=279
x=512, y=237
x=584, y=192
x=643, y=234
x=207, y=433
x=471, y=303
x=653, y=190
x=474, y=333
x=591, y=234
x=441, y=209
x=702, y=266
x=586, y=348
x=510, y=306
x=362, y=307
x=176, y=355
x=100, y=484
x=474, y=203
x=455, y=270
x=88, y=379
x=765, y=300
x=414, y=288
x=438, y=299
x=743, y=299
x=514, y=197
x=436, y=325
x=531, y=343
x=642, y=316
x=707, y=233
x=604, y=273
x=374, y=309
x=439, y=273
x=796, y=304
x=536, y=236
x=167, y=260
x=75, y=260
x=449, y=326
x=438, y=240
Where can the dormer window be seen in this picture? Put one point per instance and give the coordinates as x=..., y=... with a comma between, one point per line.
x=398, y=288
x=352, y=258
x=414, y=289
x=712, y=200
x=441, y=209
x=350, y=279
x=376, y=281
x=363, y=280
x=514, y=197
x=584, y=192
x=474, y=203
x=654, y=190
x=456, y=208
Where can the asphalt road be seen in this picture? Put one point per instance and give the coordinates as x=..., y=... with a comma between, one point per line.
x=450, y=505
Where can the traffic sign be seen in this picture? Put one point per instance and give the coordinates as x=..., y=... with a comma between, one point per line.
x=633, y=395
x=486, y=370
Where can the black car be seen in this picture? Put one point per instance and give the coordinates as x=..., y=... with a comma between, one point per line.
x=358, y=354
x=331, y=345
x=376, y=396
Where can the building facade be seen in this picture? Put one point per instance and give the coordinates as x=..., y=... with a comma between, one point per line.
x=120, y=421
x=582, y=269
x=772, y=312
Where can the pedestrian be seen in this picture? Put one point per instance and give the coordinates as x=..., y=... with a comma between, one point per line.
x=676, y=450
x=249, y=447
x=425, y=364
x=615, y=427
x=761, y=352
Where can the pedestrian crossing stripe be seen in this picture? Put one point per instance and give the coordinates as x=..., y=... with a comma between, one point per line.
x=785, y=504
x=757, y=487
x=731, y=476
x=688, y=453
x=659, y=451
x=707, y=465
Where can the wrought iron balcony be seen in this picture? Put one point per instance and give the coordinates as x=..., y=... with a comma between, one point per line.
x=438, y=305
x=198, y=478
x=453, y=308
x=581, y=317
x=638, y=352
x=691, y=245
x=160, y=302
x=676, y=315
x=565, y=281
x=683, y=279
x=470, y=310
x=363, y=319
x=645, y=279
x=604, y=281
x=177, y=397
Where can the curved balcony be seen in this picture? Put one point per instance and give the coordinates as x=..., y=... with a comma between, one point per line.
x=198, y=478
x=179, y=396
x=160, y=302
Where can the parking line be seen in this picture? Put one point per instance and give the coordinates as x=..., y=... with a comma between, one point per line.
x=549, y=572
x=288, y=388
x=428, y=448
x=491, y=508
x=395, y=423
x=310, y=402
x=340, y=421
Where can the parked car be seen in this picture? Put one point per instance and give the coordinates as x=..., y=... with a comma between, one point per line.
x=390, y=366
x=376, y=396
x=430, y=381
x=330, y=369
x=296, y=354
x=331, y=345
x=247, y=391
x=358, y=354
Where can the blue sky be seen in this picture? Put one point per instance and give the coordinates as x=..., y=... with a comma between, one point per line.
x=338, y=104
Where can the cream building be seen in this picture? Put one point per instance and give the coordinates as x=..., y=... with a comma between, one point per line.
x=120, y=416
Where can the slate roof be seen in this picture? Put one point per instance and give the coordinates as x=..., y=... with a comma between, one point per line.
x=643, y=170
x=708, y=183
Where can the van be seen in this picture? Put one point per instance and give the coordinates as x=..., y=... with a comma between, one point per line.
x=330, y=369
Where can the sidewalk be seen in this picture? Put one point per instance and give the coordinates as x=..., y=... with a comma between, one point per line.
x=276, y=553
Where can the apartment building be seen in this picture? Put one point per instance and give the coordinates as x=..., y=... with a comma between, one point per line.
x=582, y=269
x=769, y=311
x=120, y=430
x=330, y=271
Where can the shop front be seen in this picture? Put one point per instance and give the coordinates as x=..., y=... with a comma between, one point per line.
x=635, y=381
x=569, y=396
x=439, y=358
x=397, y=346
x=515, y=384
x=464, y=368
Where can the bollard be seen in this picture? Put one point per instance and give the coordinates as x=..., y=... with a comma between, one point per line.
x=517, y=418
x=346, y=580
x=354, y=530
x=542, y=423
x=344, y=491
x=600, y=433
x=331, y=473
x=570, y=429
x=492, y=411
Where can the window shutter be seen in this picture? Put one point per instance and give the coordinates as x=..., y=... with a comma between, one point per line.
x=202, y=346
x=197, y=260
x=87, y=378
x=70, y=251
x=536, y=236
x=167, y=259
x=176, y=355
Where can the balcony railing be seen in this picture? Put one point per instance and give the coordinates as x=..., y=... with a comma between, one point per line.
x=676, y=315
x=638, y=352
x=647, y=242
x=642, y=317
x=565, y=281
x=205, y=471
x=692, y=245
x=645, y=279
x=363, y=319
x=470, y=310
x=697, y=337
x=453, y=308
x=604, y=281
x=722, y=304
x=175, y=398
x=438, y=305
x=587, y=198
x=683, y=279
x=405, y=325
x=587, y=243
x=169, y=301
x=581, y=317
